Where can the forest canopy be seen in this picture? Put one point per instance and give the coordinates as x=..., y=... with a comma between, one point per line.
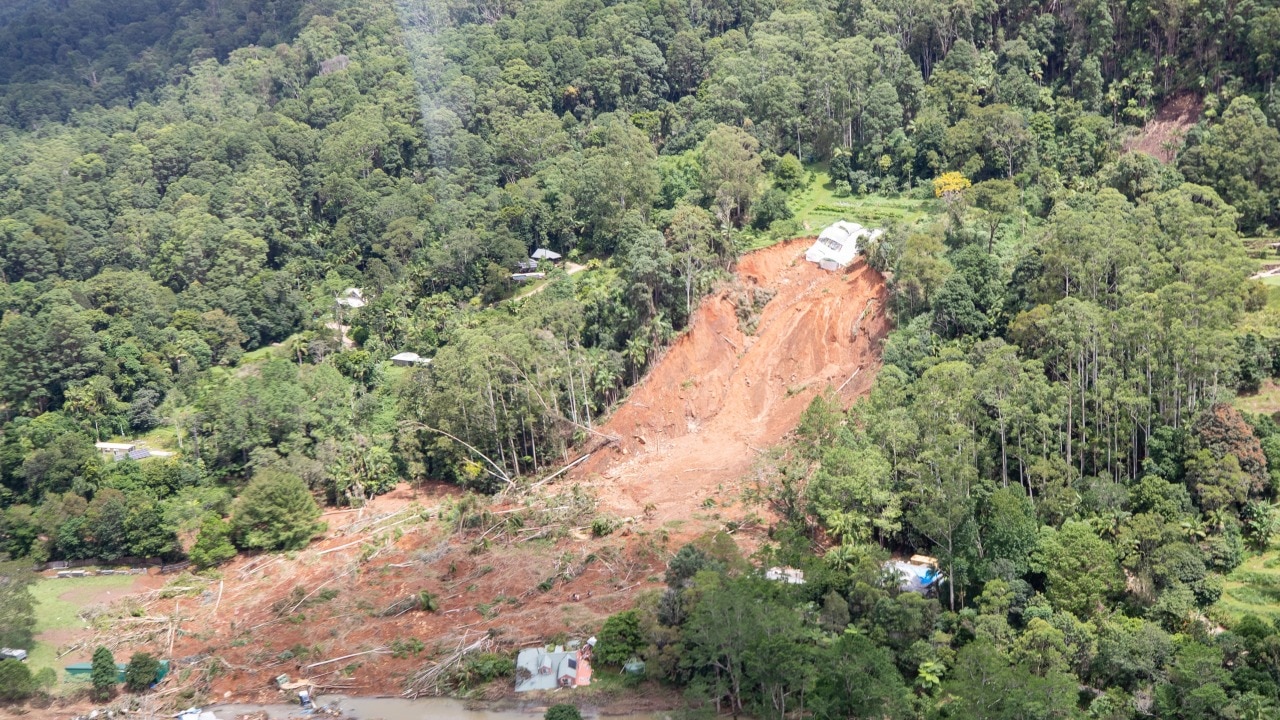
x=187, y=189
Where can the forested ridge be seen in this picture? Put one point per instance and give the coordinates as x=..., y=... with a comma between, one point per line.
x=186, y=188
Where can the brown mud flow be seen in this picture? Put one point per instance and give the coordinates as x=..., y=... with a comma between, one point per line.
x=735, y=384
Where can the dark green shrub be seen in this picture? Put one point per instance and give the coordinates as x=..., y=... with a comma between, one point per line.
x=16, y=682
x=140, y=672
x=213, y=544
x=563, y=711
x=620, y=638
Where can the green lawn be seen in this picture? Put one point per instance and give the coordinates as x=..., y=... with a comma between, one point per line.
x=1265, y=402
x=262, y=354
x=162, y=438
x=818, y=206
x=1254, y=587
x=54, y=613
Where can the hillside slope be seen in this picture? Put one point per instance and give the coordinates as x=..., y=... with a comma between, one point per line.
x=721, y=395
x=525, y=568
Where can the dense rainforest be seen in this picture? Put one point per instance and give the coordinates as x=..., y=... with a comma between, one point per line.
x=187, y=187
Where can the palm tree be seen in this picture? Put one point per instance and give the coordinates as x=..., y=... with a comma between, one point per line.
x=929, y=675
x=1194, y=529
x=299, y=344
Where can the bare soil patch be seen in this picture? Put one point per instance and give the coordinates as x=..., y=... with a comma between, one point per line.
x=724, y=393
x=1164, y=134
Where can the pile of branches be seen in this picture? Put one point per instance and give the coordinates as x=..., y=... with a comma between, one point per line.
x=540, y=516
x=434, y=680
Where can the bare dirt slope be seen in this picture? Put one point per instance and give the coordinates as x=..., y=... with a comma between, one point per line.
x=720, y=396
x=732, y=386
x=334, y=613
x=1164, y=134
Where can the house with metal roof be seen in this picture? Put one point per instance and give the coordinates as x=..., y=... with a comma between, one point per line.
x=409, y=359
x=838, y=245
x=545, y=668
x=115, y=451
x=352, y=298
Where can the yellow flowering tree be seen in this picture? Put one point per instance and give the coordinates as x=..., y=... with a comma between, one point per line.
x=949, y=185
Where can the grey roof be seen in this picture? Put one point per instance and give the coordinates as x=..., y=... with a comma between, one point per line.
x=545, y=254
x=542, y=669
x=139, y=454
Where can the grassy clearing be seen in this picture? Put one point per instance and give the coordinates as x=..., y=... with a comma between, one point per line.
x=55, y=613
x=262, y=354
x=164, y=437
x=1254, y=587
x=1266, y=401
x=817, y=206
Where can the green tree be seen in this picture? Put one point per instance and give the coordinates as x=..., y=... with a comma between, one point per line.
x=852, y=494
x=275, y=512
x=788, y=173
x=619, y=638
x=141, y=672
x=731, y=172
x=1195, y=689
x=17, y=607
x=1239, y=156
x=213, y=544
x=1080, y=568
x=996, y=200
x=855, y=678
x=985, y=684
x=103, y=673
x=16, y=682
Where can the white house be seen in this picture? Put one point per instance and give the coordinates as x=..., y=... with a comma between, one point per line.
x=352, y=298
x=838, y=245
x=788, y=575
x=409, y=359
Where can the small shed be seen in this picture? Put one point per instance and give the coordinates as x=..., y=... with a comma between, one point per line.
x=115, y=451
x=409, y=359
x=545, y=254
x=838, y=245
x=82, y=671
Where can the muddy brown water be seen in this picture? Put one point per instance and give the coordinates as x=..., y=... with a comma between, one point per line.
x=420, y=709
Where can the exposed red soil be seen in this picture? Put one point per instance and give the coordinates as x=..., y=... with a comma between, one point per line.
x=692, y=430
x=719, y=397
x=242, y=627
x=1163, y=135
